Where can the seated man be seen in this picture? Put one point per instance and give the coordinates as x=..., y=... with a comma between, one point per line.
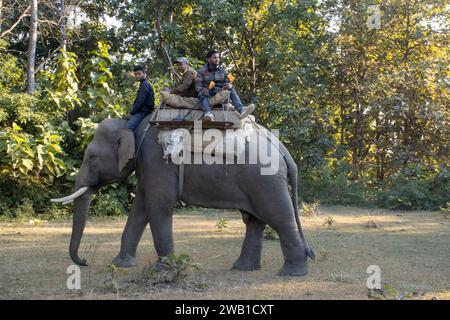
x=185, y=87
x=143, y=105
x=211, y=79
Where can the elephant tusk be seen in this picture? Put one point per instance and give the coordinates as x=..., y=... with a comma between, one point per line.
x=74, y=195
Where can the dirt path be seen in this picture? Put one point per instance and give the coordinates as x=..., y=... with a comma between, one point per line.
x=412, y=250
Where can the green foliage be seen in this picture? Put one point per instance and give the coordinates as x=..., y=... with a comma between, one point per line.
x=445, y=211
x=11, y=74
x=333, y=187
x=43, y=137
x=85, y=133
x=65, y=83
x=113, y=282
x=31, y=160
x=99, y=97
x=23, y=109
x=417, y=189
x=221, y=224
x=389, y=292
x=111, y=202
x=24, y=210
x=310, y=209
x=363, y=112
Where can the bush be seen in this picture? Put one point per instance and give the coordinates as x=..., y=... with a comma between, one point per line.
x=41, y=143
x=406, y=192
x=5, y=210
x=332, y=187
x=108, y=204
x=115, y=200
x=24, y=210
x=11, y=74
x=172, y=269
x=414, y=187
x=310, y=209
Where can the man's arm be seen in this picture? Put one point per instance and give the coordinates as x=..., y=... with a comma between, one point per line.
x=152, y=97
x=225, y=79
x=185, y=83
x=144, y=90
x=199, y=83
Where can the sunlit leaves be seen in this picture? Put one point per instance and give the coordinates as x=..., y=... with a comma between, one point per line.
x=28, y=160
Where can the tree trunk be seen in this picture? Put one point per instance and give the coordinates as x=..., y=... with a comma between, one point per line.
x=31, y=84
x=165, y=54
x=1, y=14
x=252, y=75
x=62, y=24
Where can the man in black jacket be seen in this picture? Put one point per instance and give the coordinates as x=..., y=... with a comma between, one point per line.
x=144, y=103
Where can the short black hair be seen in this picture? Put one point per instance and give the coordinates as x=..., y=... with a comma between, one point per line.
x=211, y=52
x=139, y=68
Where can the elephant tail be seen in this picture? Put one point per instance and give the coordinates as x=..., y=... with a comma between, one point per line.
x=292, y=178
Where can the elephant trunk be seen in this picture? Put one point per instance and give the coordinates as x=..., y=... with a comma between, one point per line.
x=80, y=213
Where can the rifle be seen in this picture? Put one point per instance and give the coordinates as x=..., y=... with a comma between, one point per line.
x=175, y=75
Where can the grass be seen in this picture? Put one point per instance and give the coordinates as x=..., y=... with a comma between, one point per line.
x=411, y=248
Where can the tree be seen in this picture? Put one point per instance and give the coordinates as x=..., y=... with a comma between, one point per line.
x=25, y=12
x=62, y=24
x=31, y=82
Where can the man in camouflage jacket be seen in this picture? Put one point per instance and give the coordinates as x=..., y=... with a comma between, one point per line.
x=185, y=87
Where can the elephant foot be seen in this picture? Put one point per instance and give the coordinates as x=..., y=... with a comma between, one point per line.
x=159, y=266
x=124, y=261
x=246, y=265
x=290, y=269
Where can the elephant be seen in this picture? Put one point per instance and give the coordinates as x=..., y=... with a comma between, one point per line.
x=262, y=199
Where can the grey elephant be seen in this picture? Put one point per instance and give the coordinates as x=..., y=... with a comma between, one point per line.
x=262, y=199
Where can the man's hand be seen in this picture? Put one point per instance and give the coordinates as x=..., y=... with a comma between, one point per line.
x=205, y=92
x=128, y=116
x=227, y=86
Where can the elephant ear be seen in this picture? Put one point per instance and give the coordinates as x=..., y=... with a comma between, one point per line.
x=125, y=147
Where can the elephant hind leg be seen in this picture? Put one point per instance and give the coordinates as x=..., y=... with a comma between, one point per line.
x=294, y=252
x=250, y=258
x=276, y=210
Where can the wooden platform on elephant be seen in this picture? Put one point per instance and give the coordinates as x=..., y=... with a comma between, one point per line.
x=184, y=118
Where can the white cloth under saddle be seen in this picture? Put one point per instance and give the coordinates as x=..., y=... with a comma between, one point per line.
x=229, y=144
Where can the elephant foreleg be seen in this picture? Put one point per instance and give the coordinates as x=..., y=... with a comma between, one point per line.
x=160, y=218
x=250, y=258
x=134, y=228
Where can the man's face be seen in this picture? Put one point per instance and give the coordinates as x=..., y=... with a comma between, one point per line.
x=139, y=75
x=214, y=59
x=181, y=67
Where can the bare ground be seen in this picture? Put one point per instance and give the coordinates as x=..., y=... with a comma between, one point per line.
x=412, y=250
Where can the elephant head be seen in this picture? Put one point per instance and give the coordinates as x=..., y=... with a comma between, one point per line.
x=100, y=167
